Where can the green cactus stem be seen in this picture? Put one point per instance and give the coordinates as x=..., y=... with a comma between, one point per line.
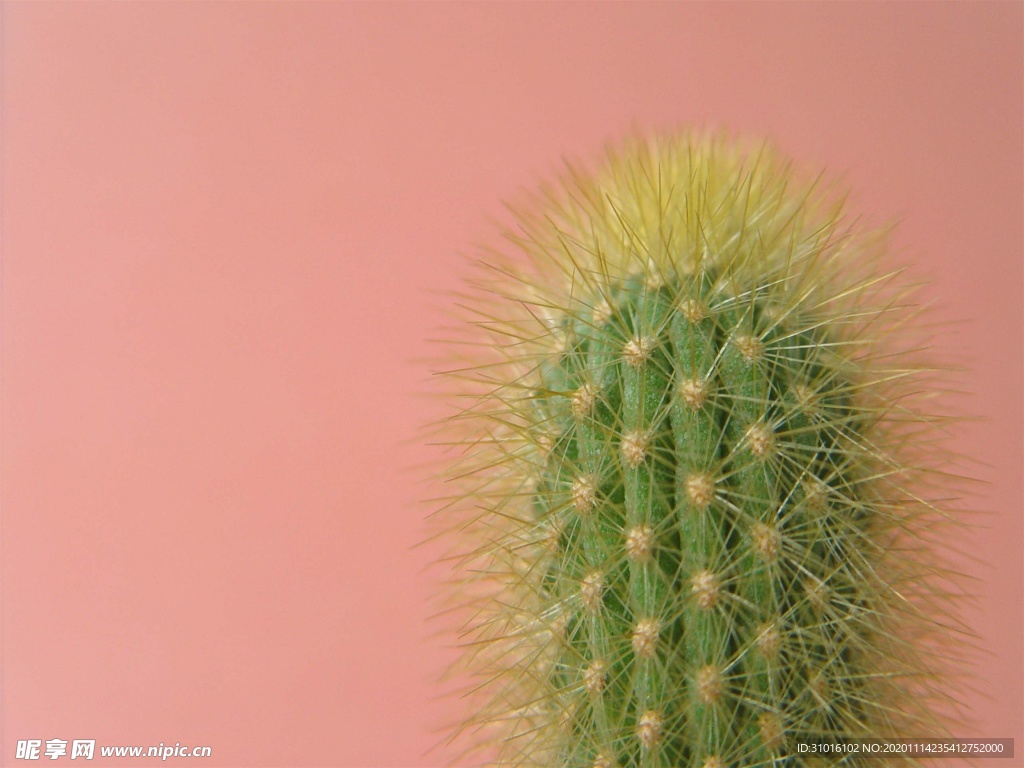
x=692, y=477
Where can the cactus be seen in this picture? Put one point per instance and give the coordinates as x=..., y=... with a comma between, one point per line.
x=692, y=517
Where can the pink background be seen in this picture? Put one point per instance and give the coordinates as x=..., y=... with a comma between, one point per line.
x=223, y=229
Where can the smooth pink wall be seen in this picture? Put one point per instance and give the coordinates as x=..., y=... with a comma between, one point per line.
x=223, y=225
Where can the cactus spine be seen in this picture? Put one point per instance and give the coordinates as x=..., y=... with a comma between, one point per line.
x=691, y=477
